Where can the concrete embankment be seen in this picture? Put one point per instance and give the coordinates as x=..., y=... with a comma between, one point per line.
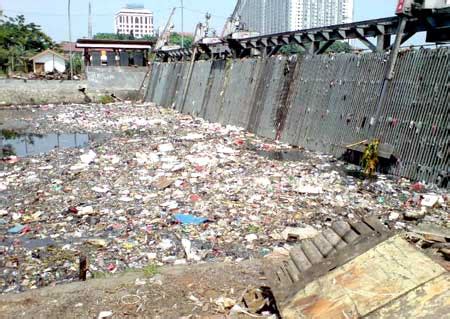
x=123, y=82
x=323, y=102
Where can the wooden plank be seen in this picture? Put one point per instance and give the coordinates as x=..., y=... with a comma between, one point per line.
x=293, y=271
x=300, y=259
x=311, y=251
x=334, y=239
x=323, y=245
x=344, y=230
x=362, y=228
x=374, y=223
x=282, y=274
x=365, y=284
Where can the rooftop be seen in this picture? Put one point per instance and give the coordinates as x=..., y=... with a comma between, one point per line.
x=134, y=9
x=114, y=44
x=46, y=52
x=134, y=6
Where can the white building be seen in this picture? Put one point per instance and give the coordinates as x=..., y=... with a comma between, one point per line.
x=273, y=16
x=48, y=61
x=136, y=20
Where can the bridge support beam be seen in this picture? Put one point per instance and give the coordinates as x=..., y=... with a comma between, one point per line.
x=324, y=47
x=383, y=42
x=314, y=47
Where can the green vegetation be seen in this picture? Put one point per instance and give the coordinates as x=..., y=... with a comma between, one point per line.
x=19, y=41
x=9, y=134
x=113, y=36
x=252, y=229
x=340, y=47
x=117, y=36
x=336, y=47
x=151, y=270
x=77, y=63
x=175, y=39
x=291, y=49
x=100, y=275
x=370, y=159
x=106, y=99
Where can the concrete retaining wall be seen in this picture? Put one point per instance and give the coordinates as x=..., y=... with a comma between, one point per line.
x=15, y=92
x=324, y=102
x=124, y=82
x=115, y=78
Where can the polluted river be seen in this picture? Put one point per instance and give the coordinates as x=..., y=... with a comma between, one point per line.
x=131, y=186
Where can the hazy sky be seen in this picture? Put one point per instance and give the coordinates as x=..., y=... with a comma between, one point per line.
x=52, y=14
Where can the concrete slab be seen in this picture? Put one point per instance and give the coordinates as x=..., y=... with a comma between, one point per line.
x=369, y=282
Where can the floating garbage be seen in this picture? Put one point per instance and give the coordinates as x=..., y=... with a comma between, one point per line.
x=166, y=188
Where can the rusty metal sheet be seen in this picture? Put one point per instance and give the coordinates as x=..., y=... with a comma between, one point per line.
x=323, y=102
x=371, y=281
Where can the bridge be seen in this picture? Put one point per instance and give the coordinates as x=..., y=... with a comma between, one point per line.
x=317, y=40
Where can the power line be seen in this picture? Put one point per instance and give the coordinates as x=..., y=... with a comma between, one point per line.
x=46, y=14
x=204, y=12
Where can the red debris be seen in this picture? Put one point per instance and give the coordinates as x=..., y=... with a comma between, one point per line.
x=195, y=198
x=417, y=187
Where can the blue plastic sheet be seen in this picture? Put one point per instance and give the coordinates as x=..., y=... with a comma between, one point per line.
x=190, y=219
x=16, y=229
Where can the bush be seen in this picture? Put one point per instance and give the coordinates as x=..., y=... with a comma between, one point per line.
x=106, y=99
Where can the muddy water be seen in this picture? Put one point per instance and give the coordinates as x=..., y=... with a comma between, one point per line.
x=29, y=144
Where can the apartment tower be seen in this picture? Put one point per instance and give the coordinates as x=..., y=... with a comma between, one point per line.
x=273, y=16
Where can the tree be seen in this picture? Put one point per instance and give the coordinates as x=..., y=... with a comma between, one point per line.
x=291, y=49
x=111, y=36
x=118, y=36
x=175, y=39
x=340, y=47
x=150, y=38
x=336, y=47
x=19, y=41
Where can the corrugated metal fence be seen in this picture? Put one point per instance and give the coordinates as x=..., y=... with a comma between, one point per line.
x=324, y=102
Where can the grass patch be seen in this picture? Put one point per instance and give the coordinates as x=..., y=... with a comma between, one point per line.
x=106, y=99
x=151, y=270
x=100, y=275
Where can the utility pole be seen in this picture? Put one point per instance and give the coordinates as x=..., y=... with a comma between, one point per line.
x=90, y=21
x=70, y=40
x=182, y=24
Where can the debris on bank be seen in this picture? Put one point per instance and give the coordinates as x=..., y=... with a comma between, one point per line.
x=168, y=189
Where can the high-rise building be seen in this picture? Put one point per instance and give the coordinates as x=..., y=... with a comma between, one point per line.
x=272, y=16
x=136, y=20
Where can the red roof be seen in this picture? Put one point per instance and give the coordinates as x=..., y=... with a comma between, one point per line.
x=66, y=46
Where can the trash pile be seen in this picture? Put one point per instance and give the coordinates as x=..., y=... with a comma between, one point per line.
x=44, y=76
x=169, y=189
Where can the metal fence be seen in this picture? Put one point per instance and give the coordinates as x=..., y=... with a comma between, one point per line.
x=324, y=102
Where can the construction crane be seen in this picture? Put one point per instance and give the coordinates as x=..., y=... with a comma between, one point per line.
x=234, y=28
x=203, y=34
x=163, y=41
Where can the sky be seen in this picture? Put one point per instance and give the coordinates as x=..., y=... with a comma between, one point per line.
x=52, y=14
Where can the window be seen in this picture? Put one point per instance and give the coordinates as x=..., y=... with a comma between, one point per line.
x=136, y=20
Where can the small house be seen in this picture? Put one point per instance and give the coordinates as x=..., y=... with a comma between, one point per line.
x=48, y=61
